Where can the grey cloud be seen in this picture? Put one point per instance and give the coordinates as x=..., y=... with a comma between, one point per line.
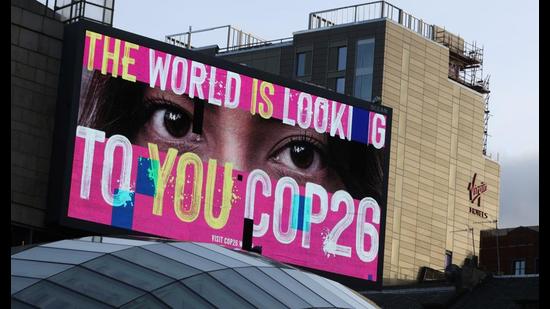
x=519, y=197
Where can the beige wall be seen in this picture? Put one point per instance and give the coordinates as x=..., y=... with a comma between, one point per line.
x=437, y=142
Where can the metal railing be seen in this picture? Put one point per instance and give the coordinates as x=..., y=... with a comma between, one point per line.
x=369, y=11
x=233, y=38
x=256, y=45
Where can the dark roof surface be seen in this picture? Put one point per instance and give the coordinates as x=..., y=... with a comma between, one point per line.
x=493, y=293
x=506, y=292
x=503, y=232
x=406, y=298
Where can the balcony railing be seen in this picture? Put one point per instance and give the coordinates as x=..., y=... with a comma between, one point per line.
x=369, y=11
x=466, y=59
x=228, y=38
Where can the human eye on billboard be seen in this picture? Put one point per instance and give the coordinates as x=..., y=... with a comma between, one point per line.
x=174, y=147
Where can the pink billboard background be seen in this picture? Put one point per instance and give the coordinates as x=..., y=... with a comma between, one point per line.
x=142, y=219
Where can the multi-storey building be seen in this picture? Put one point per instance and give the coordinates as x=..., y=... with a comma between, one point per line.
x=511, y=251
x=443, y=189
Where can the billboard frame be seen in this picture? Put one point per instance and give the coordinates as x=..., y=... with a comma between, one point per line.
x=68, y=99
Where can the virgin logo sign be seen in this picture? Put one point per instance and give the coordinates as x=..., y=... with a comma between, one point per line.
x=475, y=191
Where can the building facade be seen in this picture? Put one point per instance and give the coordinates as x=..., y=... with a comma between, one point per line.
x=443, y=189
x=512, y=251
x=36, y=44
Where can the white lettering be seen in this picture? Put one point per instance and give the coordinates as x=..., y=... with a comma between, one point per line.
x=156, y=68
x=90, y=137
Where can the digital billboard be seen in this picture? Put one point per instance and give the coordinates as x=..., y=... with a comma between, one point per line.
x=165, y=141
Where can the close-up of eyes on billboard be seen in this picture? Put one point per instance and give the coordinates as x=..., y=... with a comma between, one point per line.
x=169, y=142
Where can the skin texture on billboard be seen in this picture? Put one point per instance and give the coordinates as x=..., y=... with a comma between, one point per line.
x=169, y=142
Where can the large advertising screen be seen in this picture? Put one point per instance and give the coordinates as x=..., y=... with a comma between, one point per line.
x=169, y=142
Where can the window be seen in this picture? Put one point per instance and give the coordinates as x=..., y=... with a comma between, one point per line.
x=364, y=64
x=303, y=64
x=519, y=267
x=448, y=258
x=342, y=56
x=340, y=84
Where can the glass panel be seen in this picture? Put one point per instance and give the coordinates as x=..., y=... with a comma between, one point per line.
x=339, y=293
x=519, y=267
x=246, y=289
x=358, y=300
x=316, y=287
x=19, y=283
x=48, y=295
x=301, y=64
x=56, y=255
x=94, y=12
x=34, y=269
x=184, y=257
x=15, y=304
x=128, y=273
x=145, y=302
x=267, y=283
x=176, y=295
x=85, y=246
x=363, y=87
x=108, y=17
x=98, y=2
x=157, y=262
x=295, y=286
x=340, y=84
x=522, y=267
x=234, y=254
x=364, y=64
x=209, y=254
x=97, y=286
x=342, y=56
x=215, y=292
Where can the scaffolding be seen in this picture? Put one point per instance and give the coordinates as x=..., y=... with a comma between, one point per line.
x=486, y=123
x=465, y=60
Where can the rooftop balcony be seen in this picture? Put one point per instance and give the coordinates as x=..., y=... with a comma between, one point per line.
x=465, y=59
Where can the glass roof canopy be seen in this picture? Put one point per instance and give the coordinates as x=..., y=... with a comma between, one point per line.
x=128, y=273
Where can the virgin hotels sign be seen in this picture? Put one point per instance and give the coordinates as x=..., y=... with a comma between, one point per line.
x=475, y=195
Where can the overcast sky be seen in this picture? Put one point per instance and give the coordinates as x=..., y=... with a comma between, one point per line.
x=508, y=30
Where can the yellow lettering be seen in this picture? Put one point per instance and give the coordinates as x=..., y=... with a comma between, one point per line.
x=91, y=48
x=186, y=159
x=162, y=180
x=127, y=60
x=221, y=220
x=254, y=96
x=266, y=114
x=108, y=55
